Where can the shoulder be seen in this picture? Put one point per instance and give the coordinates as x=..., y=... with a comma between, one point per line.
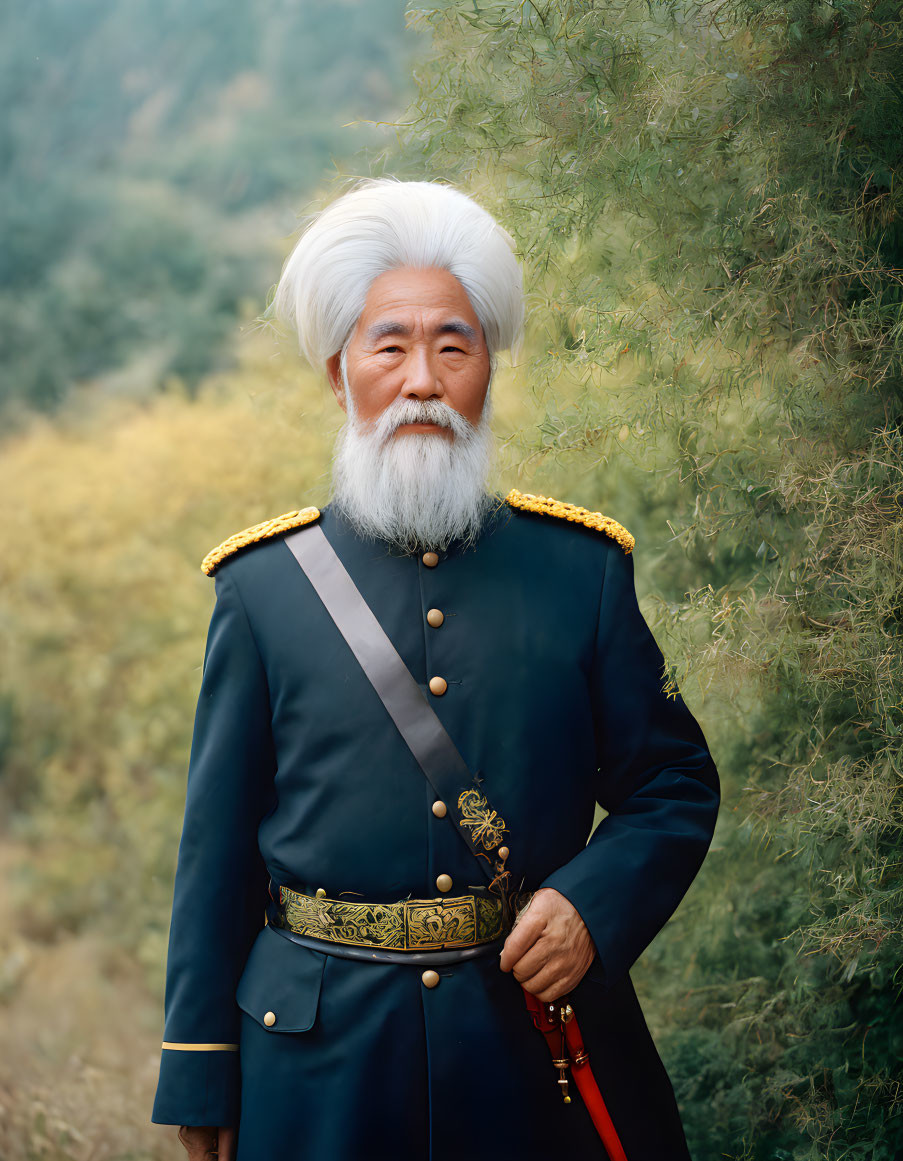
x=561, y=510
x=257, y=534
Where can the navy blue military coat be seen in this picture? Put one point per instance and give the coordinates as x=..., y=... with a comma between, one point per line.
x=556, y=697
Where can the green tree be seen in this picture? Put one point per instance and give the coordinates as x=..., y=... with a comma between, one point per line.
x=150, y=152
x=707, y=196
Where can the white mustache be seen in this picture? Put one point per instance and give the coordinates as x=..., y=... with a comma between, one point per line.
x=404, y=411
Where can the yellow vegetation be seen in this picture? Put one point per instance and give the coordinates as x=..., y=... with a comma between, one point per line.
x=103, y=613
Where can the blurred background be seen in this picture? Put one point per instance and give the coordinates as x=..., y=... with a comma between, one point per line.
x=706, y=198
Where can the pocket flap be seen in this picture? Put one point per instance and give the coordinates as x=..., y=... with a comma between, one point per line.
x=280, y=985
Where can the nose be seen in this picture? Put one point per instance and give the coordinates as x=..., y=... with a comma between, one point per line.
x=421, y=380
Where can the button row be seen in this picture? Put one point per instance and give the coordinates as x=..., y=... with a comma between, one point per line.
x=438, y=686
x=434, y=618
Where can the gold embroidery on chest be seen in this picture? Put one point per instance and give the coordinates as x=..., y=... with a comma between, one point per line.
x=485, y=825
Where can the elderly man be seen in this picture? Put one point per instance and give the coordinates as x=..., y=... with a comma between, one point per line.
x=411, y=702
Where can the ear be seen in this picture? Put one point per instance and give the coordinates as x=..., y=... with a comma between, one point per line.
x=334, y=374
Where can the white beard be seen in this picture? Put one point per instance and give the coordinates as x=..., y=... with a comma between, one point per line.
x=415, y=491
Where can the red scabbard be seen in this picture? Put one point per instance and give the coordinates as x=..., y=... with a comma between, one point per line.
x=559, y=1026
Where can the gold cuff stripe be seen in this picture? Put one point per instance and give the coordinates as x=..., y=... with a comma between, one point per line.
x=548, y=506
x=297, y=518
x=174, y=1047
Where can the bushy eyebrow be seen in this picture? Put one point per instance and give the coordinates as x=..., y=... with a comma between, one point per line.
x=454, y=326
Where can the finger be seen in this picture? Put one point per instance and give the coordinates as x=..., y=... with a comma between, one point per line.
x=546, y=985
x=553, y=992
x=520, y=940
x=563, y=979
x=198, y=1140
x=226, y=1144
x=532, y=961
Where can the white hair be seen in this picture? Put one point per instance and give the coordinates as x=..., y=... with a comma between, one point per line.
x=384, y=224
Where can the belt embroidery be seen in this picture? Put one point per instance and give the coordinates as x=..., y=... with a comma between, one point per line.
x=409, y=925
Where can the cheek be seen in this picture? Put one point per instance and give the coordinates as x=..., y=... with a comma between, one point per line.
x=373, y=392
x=472, y=393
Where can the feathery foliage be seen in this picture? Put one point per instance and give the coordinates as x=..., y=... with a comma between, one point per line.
x=708, y=198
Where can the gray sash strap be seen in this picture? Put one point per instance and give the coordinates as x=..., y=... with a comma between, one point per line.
x=416, y=720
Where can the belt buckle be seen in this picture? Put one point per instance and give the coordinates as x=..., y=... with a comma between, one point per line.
x=434, y=924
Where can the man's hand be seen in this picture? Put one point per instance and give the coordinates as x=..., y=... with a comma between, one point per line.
x=549, y=949
x=208, y=1143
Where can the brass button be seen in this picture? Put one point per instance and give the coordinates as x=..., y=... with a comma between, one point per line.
x=438, y=686
x=444, y=883
x=503, y=853
x=321, y=892
x=269, y=1019
x=439, y=808
x=430, y=559
x=430, y=978
x=435, y=617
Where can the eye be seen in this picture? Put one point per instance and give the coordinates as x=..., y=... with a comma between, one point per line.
x=459, y=350
x=391, y=350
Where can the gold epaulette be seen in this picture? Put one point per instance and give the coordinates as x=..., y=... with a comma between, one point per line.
x=549, y=507
x=297, y=518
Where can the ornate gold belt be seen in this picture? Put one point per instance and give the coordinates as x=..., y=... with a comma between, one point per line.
x=409, y=925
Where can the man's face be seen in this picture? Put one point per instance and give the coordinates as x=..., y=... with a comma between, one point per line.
x=417, y=338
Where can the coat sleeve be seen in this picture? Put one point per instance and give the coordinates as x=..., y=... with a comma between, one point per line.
x=656, y=778
x=221, y=879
